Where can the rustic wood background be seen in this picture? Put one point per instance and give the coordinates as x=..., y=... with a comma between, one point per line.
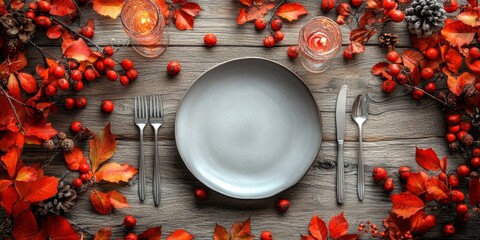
x=396, y=126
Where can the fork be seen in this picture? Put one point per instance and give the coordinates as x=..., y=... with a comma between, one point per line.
x=141, y=120
x=156, y=120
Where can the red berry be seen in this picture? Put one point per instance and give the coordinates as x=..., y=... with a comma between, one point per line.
x=379, y=174
x=78, y=86
x=401, y=78
x=132, y=74
x=268, y=41
x=474, y=52
x=388, y=185
x=200, y=193
x=31, y=15
x=460, y=135
x=127, y=64
x=112, y=75
x=283, y=205
x=465, y=126
x=87, y=31
x=292, y=52
x=77, y=183
x=109, y=63
x=475, y=162
x=84, y=168
x=388, y=86
x=404, y=173
x=417, y=94
x=210, y=39
x=457, y=196
x=44, y=6
x=448, y=230
x=454, y=128
x=58, y=71
x=43, y=21
x=108, y=51
x=397, y=15
x=393, y=56
x=463, y=218
x=453, y=181
x=278, y=36
x=124, y=80
x=393, y=69
x=450, y=6
x=129, y=221
x=432, y=53
x=463, y=171
x=84, y=177
x=462, y=208
x=442, y=176
x=276, y=24
x=80, y=102
x=68, y=103
x=347, y=54
x=33, y=6
x=72, y=64
x=453, y=118
x=389, y=4
x=76, y=75
x=89, y=74
x=429, y=221
x=427, y=73
x=131, y=236
x=476, y=152
x=327, y=5
x=99, y=65
x=430, y=87
x=63, y=84
x=451, y=137
x=173, y=68
x=260, y=23
x=76, y=126
x=266, y=235
x=357, y=3
x=51, y=90
x=107, y=106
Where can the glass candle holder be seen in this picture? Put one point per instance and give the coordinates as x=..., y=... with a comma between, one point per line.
x=319, y=41
x=143, y=22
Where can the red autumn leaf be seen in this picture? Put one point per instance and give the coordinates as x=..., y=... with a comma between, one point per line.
x=11, y=139
x=102, y=147
x=349, y=237
x=470, y=17
x=307, y=237
x=458, y=33
x=427, y=159
x=358, y=35
x=26, y=227
x=318, y=228
x=192, y=9
x=183, y=20
x=473, y=65
x=55, y=31
x=74, y=158
x=37, y=130
x=19, y=62
x=411, y=60
x=151, y=234
x=110, y=8
x=474, y=3
x=247, y=2
x=104, y=234
x=117, y=199
x=220, y=233
x=253, y=13
x=10, y=159
x=242, y=17
x=115, y=173
x=180, y=234
x=291, y=11
x=375, y=4
x=241, y=231
x=14, y=89
x=416, y=220
x=101, y=202
x=162, y=5
x=378, y=68
x=4, y=184
x=9, y=197
x=438, y=189
x=338, y=226
x=357, y=47
x=38, y=190
x=457, y=84
x=368, y=18
x=28, y=82
x=79, y=51
x=474, y=192
x=424, y=43
x=16, y=4
x=406, y=204
x=26, y=174
x=416, y=184
x=454, y=60
x=58, y=227
x=63, y=8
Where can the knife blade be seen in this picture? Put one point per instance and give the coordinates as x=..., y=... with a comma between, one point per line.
x=340, y=123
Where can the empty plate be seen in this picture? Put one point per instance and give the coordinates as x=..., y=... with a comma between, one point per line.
x=248, y=128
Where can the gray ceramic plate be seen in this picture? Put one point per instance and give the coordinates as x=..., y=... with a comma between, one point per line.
x=248, y=128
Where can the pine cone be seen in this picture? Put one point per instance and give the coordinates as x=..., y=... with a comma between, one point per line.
x=67, y=145
x=49, y=145
x=453, y=146
x=425, y=17
x=388, y=40
x=61, y=136
x=452, y=100
x=467, y=139
x=86, y=134
x=16, y=25
x=61, y=203
x=470, y=90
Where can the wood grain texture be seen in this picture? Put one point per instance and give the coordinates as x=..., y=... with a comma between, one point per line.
x=396, y=126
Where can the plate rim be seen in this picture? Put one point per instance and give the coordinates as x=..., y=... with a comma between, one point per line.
x=240, y=59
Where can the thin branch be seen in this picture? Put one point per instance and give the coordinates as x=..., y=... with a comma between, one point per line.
x=273, y=13
x=14, y=110
x=76, y=33
x=430, y=95
x=42, y=51
x=81, y=228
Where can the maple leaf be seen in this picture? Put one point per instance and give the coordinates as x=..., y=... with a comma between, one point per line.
x=220, y=233
x=411, y=60
x=58, y=227
x=241, y=231
x=180, y=234
x=110, y=8
x=192, y=9
x=38, y=190
x=338, y=226
x=63, y=8
x=291, y=11
x=27, y=174
x=101, y=202
x=458, y=33
x=117, y=199
x=474, y=192
x=454, y=60
x=55, y=31
x=104, y=234
x=151, y=234
x=74, y=158
x=318, y=228
x=470, y=17
x=438, y=189
x=406, y=204
x=115, y=173
x=427, y=159
x=28, y=82
x=102, y=147
x=457, y=84
x=26, y=227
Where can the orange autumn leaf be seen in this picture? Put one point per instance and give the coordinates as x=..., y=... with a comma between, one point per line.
x=406, y=204
x=117, y=199
x=253, y=13
x=458, y=33
x=63, y=8
x=115, y=173
x=38, y=190
x=4, y=183
x=183, y=20
x=74, y=158
x=220, y=233
x=27, y=174
x=454, y=60
x=102, y=147
x=151, y=234
x=79, y=50
x=318, y=228
x=291, y=11
x=110, y=8
x=103, y=234
x=55, y=32
x=470, y=17
x=28, y=82
x=37, y=130
x=438, y=189
x=180, y=234
x=411, y=60
x=101, y=202
x=58, y=227
x=338, y=226
x=241, y=231
x=247, y=2
x=457, y=84
x=192, y=9
x=19, y=62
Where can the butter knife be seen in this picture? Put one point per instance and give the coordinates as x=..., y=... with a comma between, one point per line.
x=340, y=122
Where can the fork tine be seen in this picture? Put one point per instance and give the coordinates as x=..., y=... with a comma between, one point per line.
x=145, y=107
x=160, y=104
x=153, y=106
x=159, y=107
x=136, y=107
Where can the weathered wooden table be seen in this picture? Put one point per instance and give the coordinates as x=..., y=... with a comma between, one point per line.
x=395, y=127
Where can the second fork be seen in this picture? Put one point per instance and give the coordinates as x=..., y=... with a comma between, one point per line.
x=156, y=120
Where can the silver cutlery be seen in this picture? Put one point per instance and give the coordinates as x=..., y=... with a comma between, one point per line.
x=360, y=115
x=156, y=120
x=340, y=122
x=141, y=120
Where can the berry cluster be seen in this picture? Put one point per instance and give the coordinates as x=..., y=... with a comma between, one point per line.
x=379, y=174
x=276, y=35
x=370, y=228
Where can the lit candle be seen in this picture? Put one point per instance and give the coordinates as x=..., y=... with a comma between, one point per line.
x=318, y=41
x=143, y=21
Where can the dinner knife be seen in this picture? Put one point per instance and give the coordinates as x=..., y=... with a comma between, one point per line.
x=340, y=122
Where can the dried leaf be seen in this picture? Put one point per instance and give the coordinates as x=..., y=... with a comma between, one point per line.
x=458, y=33
x=58, y=227
x=318, y=228
x=416, y=184
x=470, y=17
x=79, y=50
x=438, y=189
x=424, y=43
x=253, y=13
x=74, y=158
x=368, y=18
x=474, y=192
x=379, y=68
x=411, y=60
x=457, y=84
x=291, y=11
x=102, y=147
x=115, y=173
x=183, y=20
x=104, y=234
x=220, y=233
x=117, y=199
x=242, y=17
x=162, y=5
x=37, y=130
x=338, y=226
x=427, y=159
x=406, y=204
x=151, y=234
x=110, y=8
x=454, y=60
x=19, y=62
x=27, y=174
x=38, y=190
x=192, y=9
x=63, y=8
x=416, y=221
x=180, y=234
x=241, y=231
x=247, y=2
x=101, y=202
x=28, y=82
